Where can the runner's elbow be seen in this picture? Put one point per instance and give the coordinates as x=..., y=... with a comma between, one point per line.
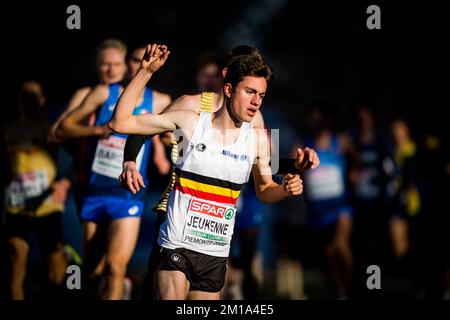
x=117, y=126
x=63, y=129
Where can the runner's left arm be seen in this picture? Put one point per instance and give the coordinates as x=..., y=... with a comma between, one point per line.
x=267, y=190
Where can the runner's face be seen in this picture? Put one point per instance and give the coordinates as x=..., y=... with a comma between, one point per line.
x=246, y=97
x=111, y=65
x=400, y=132
x=134, y=61
x=209, y=78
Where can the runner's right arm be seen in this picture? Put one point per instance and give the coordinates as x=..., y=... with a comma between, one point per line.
x=134, y=142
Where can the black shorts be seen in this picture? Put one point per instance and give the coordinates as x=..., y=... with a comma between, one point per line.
x=47, y=229
x=204, y=272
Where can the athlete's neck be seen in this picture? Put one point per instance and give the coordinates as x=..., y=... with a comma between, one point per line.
x=224, y=118
x=218, y=101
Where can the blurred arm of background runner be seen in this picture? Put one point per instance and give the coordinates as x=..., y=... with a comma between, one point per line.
x=72, y=127
x=74, y=102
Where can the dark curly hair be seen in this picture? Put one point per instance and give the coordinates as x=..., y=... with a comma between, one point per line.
x=246, y=65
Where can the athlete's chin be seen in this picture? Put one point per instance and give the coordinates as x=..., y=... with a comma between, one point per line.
x=249, y=116
x=247, y=119
x=113, y=79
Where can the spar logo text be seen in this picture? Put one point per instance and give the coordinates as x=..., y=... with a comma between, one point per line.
x=207, y=208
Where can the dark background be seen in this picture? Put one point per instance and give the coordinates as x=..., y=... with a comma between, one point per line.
x=320, y=50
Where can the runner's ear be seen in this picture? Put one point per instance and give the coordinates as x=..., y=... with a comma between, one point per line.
x=228, y=88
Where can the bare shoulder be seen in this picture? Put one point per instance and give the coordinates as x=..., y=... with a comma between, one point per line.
x=184, y=116
x=185, y=103
x=99, y=93
x=183, y=119
x=82, y=92
x=77, y=98
x=101, y=89
x=189, y=102
x=80, y=95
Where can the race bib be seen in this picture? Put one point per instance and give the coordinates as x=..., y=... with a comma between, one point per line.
x=324, y=183
x=109, y=157
x=209, y=225
x=28, y=185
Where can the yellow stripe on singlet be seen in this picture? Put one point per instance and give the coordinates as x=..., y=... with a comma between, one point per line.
x=206, y=105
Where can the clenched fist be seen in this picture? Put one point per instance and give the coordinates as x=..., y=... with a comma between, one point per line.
x=292, y=184
x=155, y=56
